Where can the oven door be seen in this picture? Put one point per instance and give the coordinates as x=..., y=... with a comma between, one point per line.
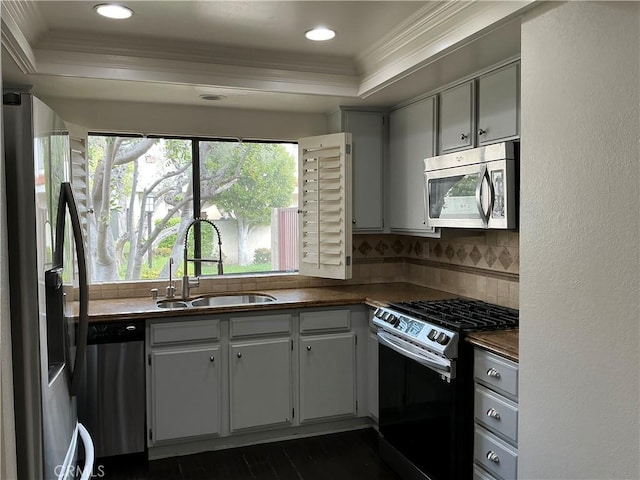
x=421, y=422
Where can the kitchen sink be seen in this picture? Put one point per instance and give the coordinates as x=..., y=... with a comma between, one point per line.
x=235, y=299
x=217, y=300
x=172, y=304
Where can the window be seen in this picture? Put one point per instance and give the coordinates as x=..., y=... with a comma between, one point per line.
x=145, y=192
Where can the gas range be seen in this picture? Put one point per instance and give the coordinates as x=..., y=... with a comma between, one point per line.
x=437, y=325
x=425, y=383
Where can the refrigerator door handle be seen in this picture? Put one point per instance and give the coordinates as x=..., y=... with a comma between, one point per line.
x=87, y=469
x=68, y=200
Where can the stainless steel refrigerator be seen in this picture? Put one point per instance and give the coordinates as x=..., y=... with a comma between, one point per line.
x=46, y=264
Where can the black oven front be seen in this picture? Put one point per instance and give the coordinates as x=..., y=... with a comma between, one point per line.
x=425, y=418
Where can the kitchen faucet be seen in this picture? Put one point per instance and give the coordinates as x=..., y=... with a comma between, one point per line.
x=171, y=288
x=188, y=283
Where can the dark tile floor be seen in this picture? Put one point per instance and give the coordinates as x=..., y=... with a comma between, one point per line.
x=341, y=456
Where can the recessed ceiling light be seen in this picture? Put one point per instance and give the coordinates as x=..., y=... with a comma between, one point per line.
x=320, y=34
x=212, y=97
x=113, y=10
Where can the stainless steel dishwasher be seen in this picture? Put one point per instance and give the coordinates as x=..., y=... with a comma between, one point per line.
x=111, y=400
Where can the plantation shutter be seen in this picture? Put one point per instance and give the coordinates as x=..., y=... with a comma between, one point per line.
x=324, y=233
x=78, y=139
x=79, y=172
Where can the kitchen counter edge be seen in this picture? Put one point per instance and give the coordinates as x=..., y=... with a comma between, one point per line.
x=373, y=295
x=501, y=342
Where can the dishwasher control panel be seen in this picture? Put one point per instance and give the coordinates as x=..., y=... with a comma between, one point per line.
x=115, y=332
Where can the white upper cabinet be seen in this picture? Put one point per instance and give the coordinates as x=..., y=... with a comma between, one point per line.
x=324, y=224
x=457, y=118
x=481, y=111
x=411, y=140
x=367, y=131
x=499, y=105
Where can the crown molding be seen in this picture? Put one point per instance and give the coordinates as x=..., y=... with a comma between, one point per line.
x=170, y=70
x=432, y=32
x=429, y=35
x=21, y=24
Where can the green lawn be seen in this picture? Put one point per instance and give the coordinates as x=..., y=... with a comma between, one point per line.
x=207, y=269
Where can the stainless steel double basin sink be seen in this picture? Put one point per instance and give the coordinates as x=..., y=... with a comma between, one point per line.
x=220, y=300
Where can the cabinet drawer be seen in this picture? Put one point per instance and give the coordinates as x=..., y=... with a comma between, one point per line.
x=496, y=413
x=496, y=372
x=326, y=320
x=480, y=474
x=495, y=455
x=260, y=325
x=185, y=331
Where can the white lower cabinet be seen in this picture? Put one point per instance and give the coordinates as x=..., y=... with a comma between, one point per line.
x=372, y=371
x=495, y=444
x=183, y=381
x=327, y=375
x=255, y=376
x=260, y=383
x=186, y=392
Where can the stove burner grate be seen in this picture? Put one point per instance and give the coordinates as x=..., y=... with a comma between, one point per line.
x=461, y=315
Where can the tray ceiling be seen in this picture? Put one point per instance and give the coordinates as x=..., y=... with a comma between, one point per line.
x=253, y=53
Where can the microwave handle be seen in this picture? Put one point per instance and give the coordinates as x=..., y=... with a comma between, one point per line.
x=484, y=216
x=426, y=192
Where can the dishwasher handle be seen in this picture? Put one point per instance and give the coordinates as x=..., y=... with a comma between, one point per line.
x=115, y=332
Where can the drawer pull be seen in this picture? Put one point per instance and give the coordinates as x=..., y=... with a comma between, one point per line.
x=493, y=457
x=492, y=372
x=493, y=413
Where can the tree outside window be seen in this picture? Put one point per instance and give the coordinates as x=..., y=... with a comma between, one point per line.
x=143, y=189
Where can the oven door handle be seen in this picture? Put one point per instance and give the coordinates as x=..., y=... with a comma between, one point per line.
x=441, y=366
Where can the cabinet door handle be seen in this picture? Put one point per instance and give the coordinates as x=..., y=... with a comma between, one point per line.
x=492, y=372
x=463, y=136
x=239, y=354
x=493, y=413
x=493, y=456
x=308, y=348
x=211, y=359
x=481, y=131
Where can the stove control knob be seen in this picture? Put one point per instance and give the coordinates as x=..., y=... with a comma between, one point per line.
x=392, y=319
x=442, y=339
x=432, y=335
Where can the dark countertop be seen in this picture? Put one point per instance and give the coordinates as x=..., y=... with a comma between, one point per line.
x=374, y=295
x=501, y=342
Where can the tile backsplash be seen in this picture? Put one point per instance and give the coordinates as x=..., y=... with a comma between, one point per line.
x=482, y=265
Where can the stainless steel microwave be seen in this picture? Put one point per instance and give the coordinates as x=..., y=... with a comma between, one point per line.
x=474, y=188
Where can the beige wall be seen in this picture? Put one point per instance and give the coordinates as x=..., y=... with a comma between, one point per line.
x=147, y=118
x=580, y=254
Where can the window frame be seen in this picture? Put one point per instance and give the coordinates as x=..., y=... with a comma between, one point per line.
x=196, y=184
